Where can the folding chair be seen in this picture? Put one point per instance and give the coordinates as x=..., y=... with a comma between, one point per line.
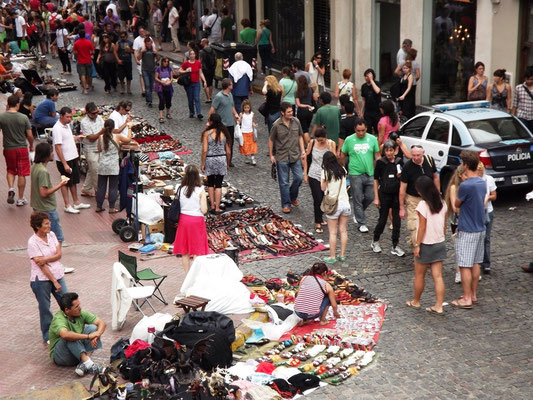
x=135, y=292
x=130, y=262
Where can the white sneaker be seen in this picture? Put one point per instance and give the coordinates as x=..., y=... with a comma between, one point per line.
x=397, y=251
x=253, y=161
x=81, y=206
x=479, y=277
x=68, y=270
x=363, y=229
x=458, y=277
x=71, y=210
x=376, y=248
x=355, y=220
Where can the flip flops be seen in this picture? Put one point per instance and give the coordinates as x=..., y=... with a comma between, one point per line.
x=456, y=304
x=411, y=305
x=431, y=310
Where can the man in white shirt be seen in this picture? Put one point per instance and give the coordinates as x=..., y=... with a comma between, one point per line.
x=402, y=52
x=138, y=45
x=20, y=27
x=213, y=22
x=92, y=126
x=66, y=157
x=121, y=118
x=173, y=25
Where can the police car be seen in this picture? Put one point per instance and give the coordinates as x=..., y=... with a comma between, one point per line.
x=504, y=144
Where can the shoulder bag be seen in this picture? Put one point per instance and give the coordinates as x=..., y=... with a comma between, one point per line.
x=310, y=155
x=329, y=203
x=207, y=31
x=320, y=286
x=174, y=210
x=184, y=79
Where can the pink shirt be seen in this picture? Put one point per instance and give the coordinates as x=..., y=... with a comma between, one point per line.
x=88, y=27
x=434, y=223
x=37, y=247
x=388, y=127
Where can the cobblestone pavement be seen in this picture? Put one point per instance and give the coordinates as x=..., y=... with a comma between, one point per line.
x=486, y=352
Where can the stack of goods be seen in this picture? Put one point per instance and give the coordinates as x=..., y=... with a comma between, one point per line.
x=232, y=198
x=160, y=148
x=258, y=233
x=158, y=171
x=61, y=85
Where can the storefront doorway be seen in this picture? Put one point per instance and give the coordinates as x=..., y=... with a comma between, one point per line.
x=387, y=15
x=323, y=36
x=452, y=53
x=526, y=40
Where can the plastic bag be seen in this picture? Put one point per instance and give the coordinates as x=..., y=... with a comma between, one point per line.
x=150, y=212
x=158, y=321
x=238, y=135
x=24, y=45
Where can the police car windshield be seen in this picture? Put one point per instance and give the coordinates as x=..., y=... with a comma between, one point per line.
x=496, y=130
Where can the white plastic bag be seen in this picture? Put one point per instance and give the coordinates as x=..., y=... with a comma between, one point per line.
x=149, y=211
x=238, y=135
x=158, y=321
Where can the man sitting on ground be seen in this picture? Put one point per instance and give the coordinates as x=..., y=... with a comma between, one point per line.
x=75, y=335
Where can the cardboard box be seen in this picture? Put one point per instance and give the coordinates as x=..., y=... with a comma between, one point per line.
x=155, y=228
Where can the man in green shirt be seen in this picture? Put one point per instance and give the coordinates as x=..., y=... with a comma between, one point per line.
x=227, y=25
x=248, y=34
x=329, y=117
x=363, y=150
x=75, y=335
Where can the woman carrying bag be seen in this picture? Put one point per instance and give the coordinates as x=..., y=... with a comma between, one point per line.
x=194, y=68
x=191, y=235
x=336, y=205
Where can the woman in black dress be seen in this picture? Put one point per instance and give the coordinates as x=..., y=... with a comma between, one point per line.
x=407, y=99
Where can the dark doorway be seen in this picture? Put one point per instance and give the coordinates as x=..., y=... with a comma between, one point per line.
x=322, y=35
x=526, y=39
x=389, y=40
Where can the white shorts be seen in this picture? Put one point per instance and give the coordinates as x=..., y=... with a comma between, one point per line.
x=139, y=68
x=342, y=209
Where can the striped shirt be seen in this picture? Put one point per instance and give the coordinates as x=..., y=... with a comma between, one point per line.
x=523, y=103
x=310, y=295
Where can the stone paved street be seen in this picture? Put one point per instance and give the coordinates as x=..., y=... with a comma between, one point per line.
x=486, y=352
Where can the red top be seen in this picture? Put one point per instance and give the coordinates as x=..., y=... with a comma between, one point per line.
x=82, y=48
x=35, y=5
x=30, y=29
x=195, y=69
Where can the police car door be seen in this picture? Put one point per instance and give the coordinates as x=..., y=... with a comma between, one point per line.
x=437, y=140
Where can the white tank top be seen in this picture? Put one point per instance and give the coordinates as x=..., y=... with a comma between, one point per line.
x=191, y=206
x=246, y=122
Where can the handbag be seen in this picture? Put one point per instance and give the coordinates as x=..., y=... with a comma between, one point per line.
x=479, y=94
x=174, y=210
x=310, y=155
x=263, y=109
x=207, y=31
x=184, y=79
x=329, y=203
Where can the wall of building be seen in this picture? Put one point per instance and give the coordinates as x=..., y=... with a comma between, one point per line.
x=506, y=38
x=341, y=38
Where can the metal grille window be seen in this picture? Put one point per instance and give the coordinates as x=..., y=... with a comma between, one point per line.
x=322, y=35
x=287, y=26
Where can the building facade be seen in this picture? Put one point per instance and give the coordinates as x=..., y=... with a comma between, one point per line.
x=450, y=36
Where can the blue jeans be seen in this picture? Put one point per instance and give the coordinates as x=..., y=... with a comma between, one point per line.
x=55, y=225
x=48, y=121
x=42, y=291
x=271, y=118
x=67, y=353
x=362, y=187
x=325, y=303
x=289, y=193
x=149, y=80
x=193, y=95
x=488, y=229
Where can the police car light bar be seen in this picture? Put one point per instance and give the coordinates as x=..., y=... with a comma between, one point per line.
x=461, y=106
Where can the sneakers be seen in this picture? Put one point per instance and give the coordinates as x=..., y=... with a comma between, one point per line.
x=458, y=277
x=355, y=220
x=21, y=202
x=68, y=270
x=247, y=160
x=11, y=196
x=397, y=251
x=71, y=210
x=82, y=369
x=200, y=116
x=376, y=248
x=363, y=229
x=253, y=161
x=81, y=206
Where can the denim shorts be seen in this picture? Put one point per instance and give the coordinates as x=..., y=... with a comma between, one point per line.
x=342, y=209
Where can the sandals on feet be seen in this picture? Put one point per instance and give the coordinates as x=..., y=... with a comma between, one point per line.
x=169, y=116
x=161, y=120
x=318, y=229
x=431, y=310
x=456, y=304
x=411, y=305
x=328, y=260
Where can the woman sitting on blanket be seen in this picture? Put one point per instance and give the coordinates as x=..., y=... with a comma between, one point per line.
x=315, y=296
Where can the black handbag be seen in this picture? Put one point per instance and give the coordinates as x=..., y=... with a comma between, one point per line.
x=310, y=155
x=174, y=210
x=184, y=79
x=263, y=109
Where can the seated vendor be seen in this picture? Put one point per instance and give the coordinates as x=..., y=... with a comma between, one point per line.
x=6, y=70
x=315, y=296
x=75, y=335
x=45, y=113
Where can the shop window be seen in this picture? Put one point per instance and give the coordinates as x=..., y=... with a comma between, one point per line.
x=415, y=128
x=453, y=45
x=439, y=130
x=526, y=38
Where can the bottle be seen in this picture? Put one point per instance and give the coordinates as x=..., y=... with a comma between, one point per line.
x=151, y=335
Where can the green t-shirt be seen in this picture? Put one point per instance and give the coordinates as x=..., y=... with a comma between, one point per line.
x=247, y=35
x=223, y=105
x=14, y=126
x=265, y=37
x=330, y=117
x=228, y=24
x=61, y=321
x=289, y=87
x=361, y=153
x=40, y=177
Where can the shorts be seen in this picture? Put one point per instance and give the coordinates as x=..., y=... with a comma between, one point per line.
x=325, y=303
x=209, y=76
x=469, y=248
x=74, y=175
x=85, y=70
x=342, y=209
x=125, y=15
x=17, y=161
x=140, y=69
x=215, y=181
x=124, y=71
x=432, y=253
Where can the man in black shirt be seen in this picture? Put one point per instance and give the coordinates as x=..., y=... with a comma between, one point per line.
x=347, y=126
x=417, y=166
x=371, y=94
x=125, y=67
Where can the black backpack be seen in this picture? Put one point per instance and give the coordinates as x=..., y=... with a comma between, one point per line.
x=209, y=59
x=390, y=183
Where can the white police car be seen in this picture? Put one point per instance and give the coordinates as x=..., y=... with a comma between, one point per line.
x=504, y=144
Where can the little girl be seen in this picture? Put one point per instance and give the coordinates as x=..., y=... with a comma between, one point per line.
x=248, y=126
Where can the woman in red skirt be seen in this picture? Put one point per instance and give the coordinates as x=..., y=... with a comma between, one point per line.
x=191, y=236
